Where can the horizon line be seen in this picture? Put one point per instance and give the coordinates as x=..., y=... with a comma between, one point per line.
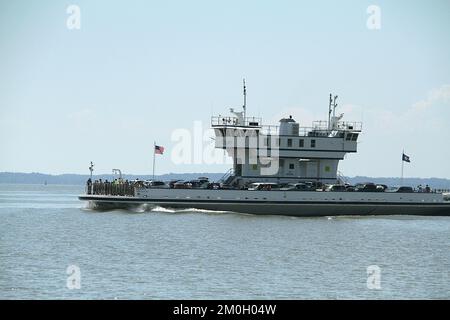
x=149, y=174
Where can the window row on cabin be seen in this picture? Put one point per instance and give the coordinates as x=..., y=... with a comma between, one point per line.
x=291, y=165
x=290, y=142
x=351, y=137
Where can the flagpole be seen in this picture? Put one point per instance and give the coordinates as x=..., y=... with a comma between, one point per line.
x=154, y=146
x=403, y=163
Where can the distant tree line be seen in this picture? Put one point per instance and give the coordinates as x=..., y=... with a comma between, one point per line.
x=80, y=179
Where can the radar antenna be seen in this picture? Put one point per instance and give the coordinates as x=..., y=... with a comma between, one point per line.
x=332, y=120
x=334, y=105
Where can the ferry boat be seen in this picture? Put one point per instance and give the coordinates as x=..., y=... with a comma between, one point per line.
x=279, y=170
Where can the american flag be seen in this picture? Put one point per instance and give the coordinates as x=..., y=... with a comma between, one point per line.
x=159, y=149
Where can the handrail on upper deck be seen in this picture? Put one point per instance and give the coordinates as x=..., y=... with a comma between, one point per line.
x=319, y=128
x=234, y=121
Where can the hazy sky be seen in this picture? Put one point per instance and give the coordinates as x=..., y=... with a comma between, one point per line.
x=138, y=70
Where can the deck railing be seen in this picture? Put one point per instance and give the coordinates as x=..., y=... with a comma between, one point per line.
x=235, y=122
x=111, y=189
x=318, y=128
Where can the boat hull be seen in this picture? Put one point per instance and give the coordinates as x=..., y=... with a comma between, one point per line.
x=291, y=208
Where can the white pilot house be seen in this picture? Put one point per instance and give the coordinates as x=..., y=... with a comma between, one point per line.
x=287, y=152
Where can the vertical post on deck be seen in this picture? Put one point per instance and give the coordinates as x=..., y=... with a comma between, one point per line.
x=154, y=146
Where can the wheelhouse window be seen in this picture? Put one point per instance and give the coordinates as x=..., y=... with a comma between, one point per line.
x=351, y=137
x=301, y=143
x=289, y=143
x=291, y=166
x=313, y=143
x=266, y=141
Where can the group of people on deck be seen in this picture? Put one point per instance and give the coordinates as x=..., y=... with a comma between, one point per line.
x=118, y=187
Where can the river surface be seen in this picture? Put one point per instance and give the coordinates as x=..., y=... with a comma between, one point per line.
x=53, y=247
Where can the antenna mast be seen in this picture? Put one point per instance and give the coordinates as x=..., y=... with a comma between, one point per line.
x=245, y=100
x=91, y=169
x=329, y=111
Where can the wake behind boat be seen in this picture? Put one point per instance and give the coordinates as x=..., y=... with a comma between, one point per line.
x=277, y=170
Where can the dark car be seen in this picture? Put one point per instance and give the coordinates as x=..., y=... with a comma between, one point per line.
x=203, y=179
x=313, y=185
x=336, y=187
x=349, y=188
x=155, y=184
x=295, y=187
x=366, y=187
x=173, y=182
x=403, y=189
x=195, y=184
x=180, y=185
x=213, y=185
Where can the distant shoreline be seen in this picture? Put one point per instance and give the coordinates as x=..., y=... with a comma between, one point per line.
x=80, y=179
